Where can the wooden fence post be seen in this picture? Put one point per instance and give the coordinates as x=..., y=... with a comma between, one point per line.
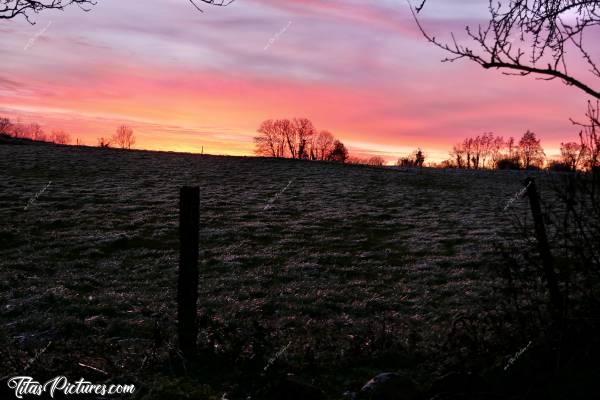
x=187, y=283
x=544, y=248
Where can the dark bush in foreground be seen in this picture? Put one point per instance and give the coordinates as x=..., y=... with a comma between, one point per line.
x=508, y=163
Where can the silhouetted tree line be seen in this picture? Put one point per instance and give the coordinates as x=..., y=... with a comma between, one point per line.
x=33, y=131
x=494, y=152
x=415, y=159
x=123, y=138
x=298, y=138
x=486, y=151
x=374, y=161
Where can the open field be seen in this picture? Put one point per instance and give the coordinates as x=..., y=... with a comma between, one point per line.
x=346, y=268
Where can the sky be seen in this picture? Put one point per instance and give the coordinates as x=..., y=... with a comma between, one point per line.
x=187, y=81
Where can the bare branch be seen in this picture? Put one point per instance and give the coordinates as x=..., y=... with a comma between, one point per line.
x=220, y=3
x=531, y=37
x=12, y=8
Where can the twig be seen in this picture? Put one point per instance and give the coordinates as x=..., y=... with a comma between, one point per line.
x=36, y=357
x=93, y=368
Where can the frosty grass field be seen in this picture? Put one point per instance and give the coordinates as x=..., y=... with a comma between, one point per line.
x=347, y=264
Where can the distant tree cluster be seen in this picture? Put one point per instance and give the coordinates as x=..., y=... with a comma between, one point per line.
x=489, y=151
x=123, y=138
x=484, y=151
x=374, y=161
x=573, y=157
x=103, y=142
x=60, y=137
x=415, y=159
x=32, y=131
x=298, y=138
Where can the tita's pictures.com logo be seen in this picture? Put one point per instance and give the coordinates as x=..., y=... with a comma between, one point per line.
x=26, y=386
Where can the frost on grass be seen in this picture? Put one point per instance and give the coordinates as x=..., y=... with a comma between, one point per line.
x=337, y=254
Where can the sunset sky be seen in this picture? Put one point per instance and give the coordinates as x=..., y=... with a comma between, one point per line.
x=185, y=79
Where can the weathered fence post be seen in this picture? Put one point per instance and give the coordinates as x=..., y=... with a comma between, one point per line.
x=544, y=247
x=187, y=283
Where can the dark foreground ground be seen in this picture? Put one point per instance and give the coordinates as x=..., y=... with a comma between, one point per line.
x=333, y=273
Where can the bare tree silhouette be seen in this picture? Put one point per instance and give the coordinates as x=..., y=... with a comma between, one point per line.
x=290, y=138
x=104, y=143
x=530, y=151
x=590, y=135
x=273, y=137
x=376, y=161
x=60, y=137
x=278, y=138
x=524, y=37
x=415, y=159
x=339, y=153
x=5, y=125
x=303, y=130
x=511, y=147
x=419, y=158
x=17, y=130
x=496, y=146
x=124, y=137
x=323, y=145
x=35, y=132
x=267, y=141
x=298, y=139
x=458, y=156
x=489, y=151
x=572, y=155
x=470, y=152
